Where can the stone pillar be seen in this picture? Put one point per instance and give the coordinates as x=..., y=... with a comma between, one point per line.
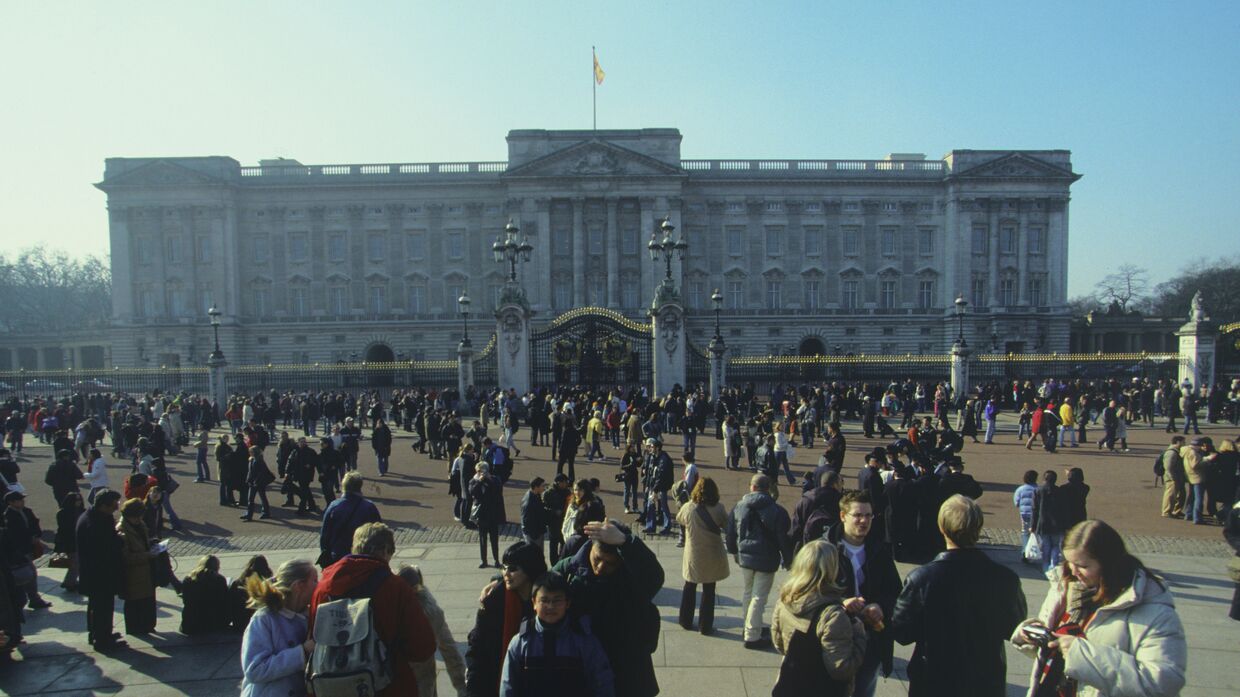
x=579, y=253
x=613, y=256
x=960, y=369
x=216, y=384
x=667, y=321
x=718, y=367
x=1197, y=344
x=464, y=367
x=512, y=341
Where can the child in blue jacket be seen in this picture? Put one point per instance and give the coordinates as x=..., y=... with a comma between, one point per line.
x=554, y=654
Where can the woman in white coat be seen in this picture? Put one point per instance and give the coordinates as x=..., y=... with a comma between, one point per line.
x=275, y=646
x=1115, y=629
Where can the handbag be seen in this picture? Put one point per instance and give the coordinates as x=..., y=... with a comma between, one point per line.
x=59, y=560
x=1033, y=549
x=171, y=485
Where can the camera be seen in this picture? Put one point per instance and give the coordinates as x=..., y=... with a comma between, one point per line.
x=1037, y=635
x=620, y=477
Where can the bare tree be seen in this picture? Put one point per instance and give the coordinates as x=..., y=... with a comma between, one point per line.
x=1128, y=287
x=48, y=291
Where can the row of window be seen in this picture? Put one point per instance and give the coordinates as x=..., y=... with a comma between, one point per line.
x=815, y=207
x=1009, y=239
x=1006, y=292
x=697, y=297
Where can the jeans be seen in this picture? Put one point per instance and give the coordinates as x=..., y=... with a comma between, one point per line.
x=865, y=682
x=1190, y=421
x=757, y=586
x=782, y=458
x=350, y=460
x=204, y=472
x=691, y=439
x=1194, y=507
x=311, y=430
x=1026, y=523
x=990, y=430
x=1067, y=433
x=259, y=492
x=383, y=463
x=1051, y=552
x=172, y=515
x=656, y=510
x=632, y=500
x=595, y=447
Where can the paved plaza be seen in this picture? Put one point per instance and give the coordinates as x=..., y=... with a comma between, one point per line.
x=414, y=499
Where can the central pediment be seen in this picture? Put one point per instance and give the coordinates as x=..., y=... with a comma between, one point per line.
x=595, y=158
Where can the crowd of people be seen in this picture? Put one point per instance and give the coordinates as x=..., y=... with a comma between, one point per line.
x=571, y=610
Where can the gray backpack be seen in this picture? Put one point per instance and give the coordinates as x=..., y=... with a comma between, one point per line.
x=349, y=659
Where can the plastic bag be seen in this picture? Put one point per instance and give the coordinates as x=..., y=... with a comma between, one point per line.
x=1033, y=550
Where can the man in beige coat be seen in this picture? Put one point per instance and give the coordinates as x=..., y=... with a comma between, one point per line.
x=1173, y=479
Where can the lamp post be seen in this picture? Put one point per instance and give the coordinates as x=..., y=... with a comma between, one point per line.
x=462, y=304
x=214, y=313
x=510, y=248
x=717, y=349
x=666, y=248
x=960, y=305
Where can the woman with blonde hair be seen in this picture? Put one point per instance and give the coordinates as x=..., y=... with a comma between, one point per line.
x=703, y=519
x=424, y=671
x=275, y=647
x=822, y=645
x=1108, y=626
x=205, y=594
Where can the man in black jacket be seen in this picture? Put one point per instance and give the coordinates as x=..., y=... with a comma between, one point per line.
x=302, y=464
x=533, y=514
x=17, y=540
x=955, y=481
x=101, y=568
x=959, y=610
x=867, y=572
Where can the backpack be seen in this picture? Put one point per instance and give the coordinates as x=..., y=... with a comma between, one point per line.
x=349, y=658
x=1159, y=469
x=816, y=524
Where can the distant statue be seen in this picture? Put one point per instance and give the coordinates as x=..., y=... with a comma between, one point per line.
x=1198, y=313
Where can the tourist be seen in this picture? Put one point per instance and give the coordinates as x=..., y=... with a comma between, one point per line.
x=101, y=572
x=555, y=501
x=533, y=514
x=19, y=539
x=71, y=509
x=1174, y=477
x=1072, y=499
x=959, y=645
x=398, y=617
x=614, y=579
x=276, y=644
x=258, y=476
x=238, y=612
x=822, y=644
x=342, y=519
x=1135, y=644
x=381, y=443
x=1046, y=520
x=1022, y=498
x=630, y=468
x=757, y=537
x=453, y=662
x=63, y=475
x=501, y=610
x=139, y=584
x=96, y=474
x=705, y=559
x=487, y=511
x=205, y=595
x=657, y=479
x=1199, y=457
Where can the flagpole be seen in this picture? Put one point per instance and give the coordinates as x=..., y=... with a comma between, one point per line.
x=594, y=86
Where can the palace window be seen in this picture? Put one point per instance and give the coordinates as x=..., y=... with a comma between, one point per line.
x=376, y=247
x=631, y=240
x=1037, y=291
x=813, y=241
x=849, y=296
x=1037, y=240
x=695, y=295
x=377, y=296
x=173, y=249
x=889, y=241
x=774, y=295
x=925, y=241
x=456, y=245
x=1007, y=239
x=851, y=241
x=774, y=241
x=417, y=246
x=262, y=249
x=981, y=240
x=595, y=235
x=736, y=241
x=298, y=247
x=297, y=302
x=978, y=291
x=736, y=294
x=925, y=294
x=812, y=296
x=417, y=298
x=202, y=249
x=1007, y=292
x=562, y=295
x=886, y=294
x=338, y=300
x=262, y=301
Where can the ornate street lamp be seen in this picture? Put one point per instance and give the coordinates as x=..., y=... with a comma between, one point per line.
x=666, y=248
x=960, y=305
x=214, y=313
x=717, y=298
x=510, y=248
x=462, y=304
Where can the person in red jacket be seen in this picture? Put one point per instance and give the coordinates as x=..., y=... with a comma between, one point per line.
x=398, y=616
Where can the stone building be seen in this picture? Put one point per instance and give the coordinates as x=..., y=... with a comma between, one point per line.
x=320, y=263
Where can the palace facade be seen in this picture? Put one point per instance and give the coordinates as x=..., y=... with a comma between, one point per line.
x=324, y=263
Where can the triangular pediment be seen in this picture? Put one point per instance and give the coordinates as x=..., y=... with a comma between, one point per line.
x=594, y=158
x=160, y=173
x=1016, y=166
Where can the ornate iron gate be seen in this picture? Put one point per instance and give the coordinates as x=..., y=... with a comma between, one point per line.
x=591, y=346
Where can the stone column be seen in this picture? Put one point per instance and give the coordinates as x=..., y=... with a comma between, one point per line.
x=649, y=269
x=1197, y=347
x=613, y=256
x=512, y=341
x=216, y=384
x=667, y=321
x=464, y=367
x=960, y=369
x=718, y=367
x=579, y=253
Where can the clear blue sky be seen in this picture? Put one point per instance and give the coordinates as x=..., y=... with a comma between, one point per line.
x=1146, y=95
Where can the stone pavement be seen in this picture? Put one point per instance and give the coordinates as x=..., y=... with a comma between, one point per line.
x=57, y=660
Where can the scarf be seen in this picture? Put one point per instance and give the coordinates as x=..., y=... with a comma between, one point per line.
x=513, y=615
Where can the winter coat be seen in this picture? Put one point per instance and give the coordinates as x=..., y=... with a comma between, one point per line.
x=578, y=665
x=381, y=441
x=63, y=476
x=137, y=557
x=622, y=611
x=488, y=497
x=484, y=659
x=398, y=616
x=341, y=519
x=205, y=606
x=757, y=533
x=705, y=559
x=273, y=663
x=453, y=662
x=1023, y=500
x=823, y=498
x=1133, y=647
x=880, y=583
x=533, y=516
x=1047, y=511
x=1072, y=496
x=841, y=637
x=99, y=547
x=1195, y=465
x=959, y=609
